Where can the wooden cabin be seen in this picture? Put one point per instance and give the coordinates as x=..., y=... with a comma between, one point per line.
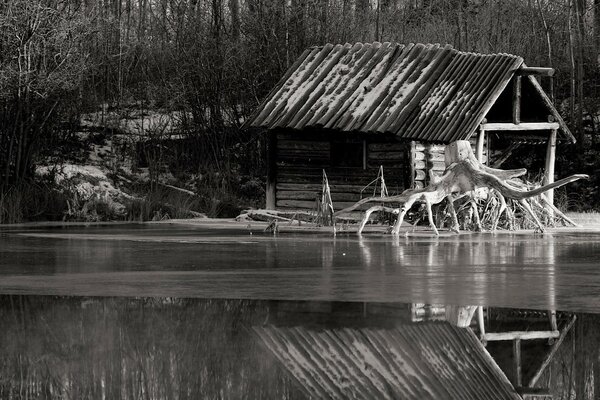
x=349, y=109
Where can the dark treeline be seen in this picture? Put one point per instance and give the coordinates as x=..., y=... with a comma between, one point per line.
x=210, y=62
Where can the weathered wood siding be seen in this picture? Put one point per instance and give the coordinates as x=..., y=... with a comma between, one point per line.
x=426, y=157
x=301, y=160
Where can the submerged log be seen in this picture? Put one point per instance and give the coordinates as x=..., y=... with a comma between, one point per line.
x=463, y=174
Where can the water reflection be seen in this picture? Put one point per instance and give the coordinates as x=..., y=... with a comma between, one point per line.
x=174, y=348
x=552, y=271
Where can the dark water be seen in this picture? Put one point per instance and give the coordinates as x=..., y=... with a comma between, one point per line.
x=159, y=312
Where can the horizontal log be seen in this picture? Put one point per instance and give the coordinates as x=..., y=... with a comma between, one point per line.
x=313, y=195
x=435, y=157
x=540, y=71
x=430, y=147
x=523, y=335
x=387, y=146
x=417, y=155
x=436, y=165
x=523, y=126
x=301, y=179
x=383, y=155
x=303, y=163
x=311, y=187
x=419, y=164
x=419, y=184
x=389, y=165
x=303, y=145
x=312, y=205
x=420, y=175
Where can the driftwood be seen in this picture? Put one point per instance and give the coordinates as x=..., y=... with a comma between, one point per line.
x=464, y=174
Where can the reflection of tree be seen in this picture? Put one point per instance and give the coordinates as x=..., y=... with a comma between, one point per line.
x=134, y=348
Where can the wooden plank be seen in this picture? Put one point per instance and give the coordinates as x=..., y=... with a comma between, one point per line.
x=523, y=335
x=523, y=126
x=540, y=71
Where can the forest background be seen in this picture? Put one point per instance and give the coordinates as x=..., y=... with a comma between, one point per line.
x=155, y=92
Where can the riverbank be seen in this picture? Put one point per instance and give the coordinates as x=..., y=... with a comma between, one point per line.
x=586, y=222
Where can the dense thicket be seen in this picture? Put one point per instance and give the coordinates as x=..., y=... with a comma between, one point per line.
x=210, y=62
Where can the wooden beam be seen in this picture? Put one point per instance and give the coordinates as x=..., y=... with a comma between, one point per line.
x=517, y=363
x=271, y=189
x=542, y=71
x=551, y=353
x=550, y=162
x=522, y=335
x=480, y=143
x=546, y=100
x=507, y=153
x=516, y=100
x=523, y=126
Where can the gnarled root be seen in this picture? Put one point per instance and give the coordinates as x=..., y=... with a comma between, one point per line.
x=460, y=177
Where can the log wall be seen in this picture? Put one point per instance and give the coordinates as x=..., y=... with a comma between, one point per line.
x=301, y=159
x=426, y=157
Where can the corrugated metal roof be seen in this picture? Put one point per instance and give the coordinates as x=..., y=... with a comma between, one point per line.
x=417, y=91
x=431, y=360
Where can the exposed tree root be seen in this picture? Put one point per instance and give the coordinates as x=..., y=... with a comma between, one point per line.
x=463, y=175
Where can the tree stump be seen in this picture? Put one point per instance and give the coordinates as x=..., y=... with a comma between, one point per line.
x=464, y=174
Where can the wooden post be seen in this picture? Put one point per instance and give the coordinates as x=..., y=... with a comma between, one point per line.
x=270, y=202
x=480, y=322
x=517, y=363
x=516, y=100
x=480, y=143
x=550, y=161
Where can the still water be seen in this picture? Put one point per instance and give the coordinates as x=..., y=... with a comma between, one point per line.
x=556, y=270
x=168, y=312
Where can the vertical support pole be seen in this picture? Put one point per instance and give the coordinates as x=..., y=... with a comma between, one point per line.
x=550, y=162
x=411, y=164
x=480, y=143
x=480, y=322
x=517, y=363
x=516, y=100
x=270, y=202
x=552, y=317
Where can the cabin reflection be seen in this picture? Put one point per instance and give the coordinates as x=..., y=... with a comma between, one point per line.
x=172, y=348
